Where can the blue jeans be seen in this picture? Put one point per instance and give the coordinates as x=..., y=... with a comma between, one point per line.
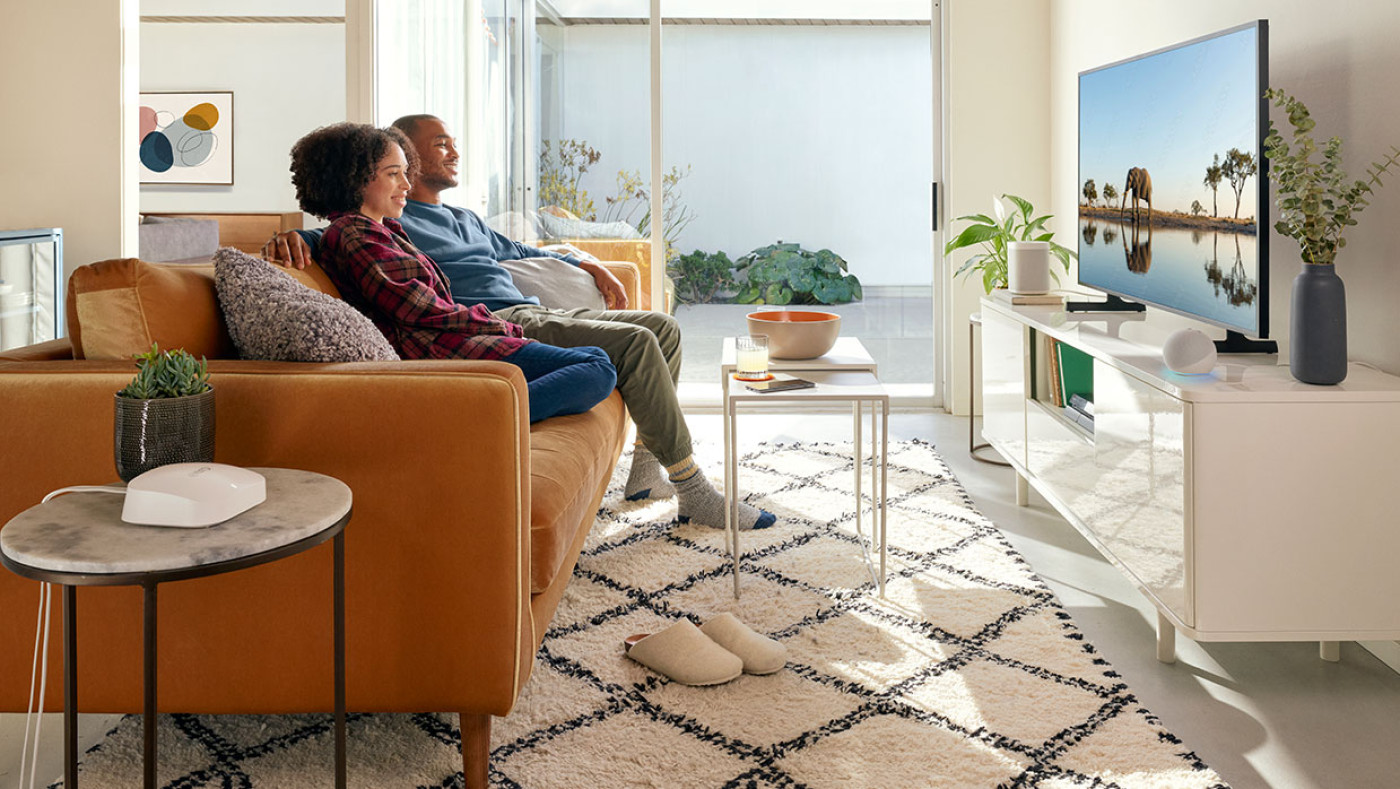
x=564, y=380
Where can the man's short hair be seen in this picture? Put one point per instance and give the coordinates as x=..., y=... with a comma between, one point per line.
x=332, y=165
x=408, y=124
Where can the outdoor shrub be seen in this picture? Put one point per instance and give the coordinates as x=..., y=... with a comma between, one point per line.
x=700, y=276
x=788, y=274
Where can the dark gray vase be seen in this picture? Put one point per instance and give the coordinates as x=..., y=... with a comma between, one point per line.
x=1318, y=335
x=159, y=432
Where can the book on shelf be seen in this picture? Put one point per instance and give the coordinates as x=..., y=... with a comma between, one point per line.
x=1052, y=355
x=1076, y=373
x=1007, y=297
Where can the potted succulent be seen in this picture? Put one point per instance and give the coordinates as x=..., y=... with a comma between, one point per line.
x=1316, y=204
x=165, y=415
x=1001, y=236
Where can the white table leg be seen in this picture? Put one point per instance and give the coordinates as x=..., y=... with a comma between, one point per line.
x=1166, y=639
x=1331, y=651
x=857, y=412
x=1023, y=491
x=884, y=482
x=731, y=489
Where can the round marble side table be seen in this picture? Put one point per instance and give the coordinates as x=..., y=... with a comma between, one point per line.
x=79, y=539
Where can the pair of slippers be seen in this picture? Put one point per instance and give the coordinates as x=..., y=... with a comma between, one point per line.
x=720, y=650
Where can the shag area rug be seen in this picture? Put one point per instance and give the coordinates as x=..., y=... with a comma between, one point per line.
x=969, y=673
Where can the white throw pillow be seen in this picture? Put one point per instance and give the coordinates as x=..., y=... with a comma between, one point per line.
x=557, y=284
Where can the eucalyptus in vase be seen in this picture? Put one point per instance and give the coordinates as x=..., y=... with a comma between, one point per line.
x=1315, y=205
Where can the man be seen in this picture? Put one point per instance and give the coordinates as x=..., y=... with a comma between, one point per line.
x=645, y=347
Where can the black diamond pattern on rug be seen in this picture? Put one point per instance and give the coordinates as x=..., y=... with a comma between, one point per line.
x=968, y=673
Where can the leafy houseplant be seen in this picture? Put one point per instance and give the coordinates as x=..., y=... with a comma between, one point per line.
x=700, y=276
x=1316, y=204
x=165, y=415
x=994, y=235
x=788, y=274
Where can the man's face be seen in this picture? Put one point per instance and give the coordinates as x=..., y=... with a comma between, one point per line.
x=437, y=155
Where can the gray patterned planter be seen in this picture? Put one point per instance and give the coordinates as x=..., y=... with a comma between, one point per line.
x=151, y=433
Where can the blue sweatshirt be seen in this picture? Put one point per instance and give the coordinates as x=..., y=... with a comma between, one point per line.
x=467, y=250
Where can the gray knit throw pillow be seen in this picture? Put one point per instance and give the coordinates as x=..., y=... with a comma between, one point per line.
x=273, y=317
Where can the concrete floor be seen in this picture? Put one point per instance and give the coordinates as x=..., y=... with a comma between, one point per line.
x=1260, y=714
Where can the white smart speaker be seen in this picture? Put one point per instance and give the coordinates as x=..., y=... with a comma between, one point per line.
x=1190, y=352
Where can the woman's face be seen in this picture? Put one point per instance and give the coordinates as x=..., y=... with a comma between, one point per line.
x=387, y=192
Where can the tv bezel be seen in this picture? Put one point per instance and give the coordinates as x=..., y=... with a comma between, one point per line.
x=1261, y=126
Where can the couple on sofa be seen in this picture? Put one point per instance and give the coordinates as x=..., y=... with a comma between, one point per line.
x=428, y=275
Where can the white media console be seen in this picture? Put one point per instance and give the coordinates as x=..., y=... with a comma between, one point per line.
x=1245, y=505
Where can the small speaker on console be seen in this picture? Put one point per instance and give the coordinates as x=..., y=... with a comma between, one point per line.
x=1190, y=352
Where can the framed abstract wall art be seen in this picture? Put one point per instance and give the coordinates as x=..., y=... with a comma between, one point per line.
x=187, y=137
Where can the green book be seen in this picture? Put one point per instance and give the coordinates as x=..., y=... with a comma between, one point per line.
x=1076, y=373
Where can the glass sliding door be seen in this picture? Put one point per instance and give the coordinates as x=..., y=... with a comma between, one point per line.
x=806, y=127
x=593, y=135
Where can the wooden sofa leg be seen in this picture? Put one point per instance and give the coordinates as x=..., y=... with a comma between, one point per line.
x=476, y=749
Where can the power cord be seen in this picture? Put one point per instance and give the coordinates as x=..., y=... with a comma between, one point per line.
x=39, y=670
x=85, y=489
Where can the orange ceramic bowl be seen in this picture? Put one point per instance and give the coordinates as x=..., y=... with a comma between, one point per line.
x=796, y=334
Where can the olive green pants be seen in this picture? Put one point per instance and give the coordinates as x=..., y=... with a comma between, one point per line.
x=645, y=347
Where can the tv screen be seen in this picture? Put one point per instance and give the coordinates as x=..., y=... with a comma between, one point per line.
x=1173, y=185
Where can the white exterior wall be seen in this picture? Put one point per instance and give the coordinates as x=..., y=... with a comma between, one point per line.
x=815, y=135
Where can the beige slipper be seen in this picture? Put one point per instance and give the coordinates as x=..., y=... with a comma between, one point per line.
x=684, y=654
x=760, y=654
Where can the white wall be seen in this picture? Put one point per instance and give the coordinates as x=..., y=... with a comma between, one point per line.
x=66, y=121
x=287, y=79
x=816, y=135
x=998, y=141
x=1339, y=60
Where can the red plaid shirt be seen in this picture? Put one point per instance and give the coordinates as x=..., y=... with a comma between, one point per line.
x=403, y=291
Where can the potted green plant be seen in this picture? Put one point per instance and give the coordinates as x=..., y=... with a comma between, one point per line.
x=788, y=274
x=996, y=236
x=165, y=415
x=1316, y=203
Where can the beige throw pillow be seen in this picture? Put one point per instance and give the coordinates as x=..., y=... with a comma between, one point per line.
x=557, y=284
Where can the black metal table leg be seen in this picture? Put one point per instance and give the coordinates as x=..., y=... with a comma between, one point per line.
x=70, y=687
x=148, y=718
x=339, y=547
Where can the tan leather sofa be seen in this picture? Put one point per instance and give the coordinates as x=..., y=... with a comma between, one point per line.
x=467, y=522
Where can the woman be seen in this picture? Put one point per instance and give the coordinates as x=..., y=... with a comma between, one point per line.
x=357, y=176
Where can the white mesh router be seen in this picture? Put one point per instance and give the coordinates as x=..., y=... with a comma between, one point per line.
x=192, y=495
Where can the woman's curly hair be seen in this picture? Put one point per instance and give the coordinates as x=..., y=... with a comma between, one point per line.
x=332, y=166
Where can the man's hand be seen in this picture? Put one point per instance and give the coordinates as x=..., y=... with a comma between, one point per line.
x=287, y=249
x=614, y=296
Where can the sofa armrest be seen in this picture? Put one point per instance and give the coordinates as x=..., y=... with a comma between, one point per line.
x=48, y=351
x=630, y=277
x=437, y=551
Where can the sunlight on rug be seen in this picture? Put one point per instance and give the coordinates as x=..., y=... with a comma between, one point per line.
x=969, y=673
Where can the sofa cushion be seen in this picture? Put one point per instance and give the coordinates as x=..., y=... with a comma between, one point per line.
x=273, y=317
x=557, y=284
x=568, y=455
x=117, y=308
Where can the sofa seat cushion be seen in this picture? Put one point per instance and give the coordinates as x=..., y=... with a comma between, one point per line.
x=568, y=457
x=117, y=308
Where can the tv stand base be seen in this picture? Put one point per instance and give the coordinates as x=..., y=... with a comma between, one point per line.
x=1235, y=342
x=1113, y=304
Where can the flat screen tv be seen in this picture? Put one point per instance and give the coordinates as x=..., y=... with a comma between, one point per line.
x=1173, y=183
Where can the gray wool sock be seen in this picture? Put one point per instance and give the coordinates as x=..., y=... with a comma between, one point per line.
x=698, y=501
x=647, y=479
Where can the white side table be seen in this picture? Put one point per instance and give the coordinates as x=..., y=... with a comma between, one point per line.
x=79, y=539
x=856, y=387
